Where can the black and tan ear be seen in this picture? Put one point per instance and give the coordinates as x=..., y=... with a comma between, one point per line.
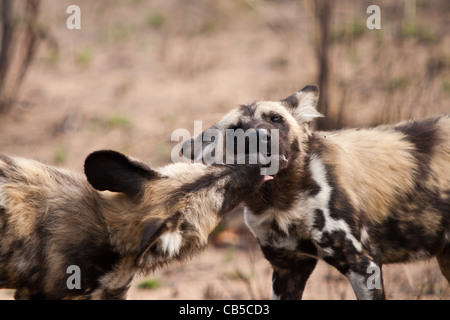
x=113, y=171
x=303, y=104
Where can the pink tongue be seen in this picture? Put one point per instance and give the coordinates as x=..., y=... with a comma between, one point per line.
x=267, y=178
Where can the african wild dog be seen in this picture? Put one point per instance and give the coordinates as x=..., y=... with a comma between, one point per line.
x=356, y=198
x=123, y=219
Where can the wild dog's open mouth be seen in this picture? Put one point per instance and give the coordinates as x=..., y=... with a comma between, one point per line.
x=256, y=146
x=272, y=164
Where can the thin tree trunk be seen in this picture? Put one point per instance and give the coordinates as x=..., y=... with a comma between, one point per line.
x=323, y=12
x=18, y=46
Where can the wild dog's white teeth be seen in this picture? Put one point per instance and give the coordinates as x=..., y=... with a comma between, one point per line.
x=283, y=157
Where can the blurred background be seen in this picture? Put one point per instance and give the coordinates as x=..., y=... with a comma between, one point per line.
x=139, y=69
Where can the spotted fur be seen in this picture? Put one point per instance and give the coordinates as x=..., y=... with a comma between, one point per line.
x=125, y=218
x=355, y=198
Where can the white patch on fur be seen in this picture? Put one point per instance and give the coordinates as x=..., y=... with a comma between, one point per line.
x=307, y=113
x=365, y=239
x=321, y=201
x=306, y=110
x=170, y=243
x=327, y=252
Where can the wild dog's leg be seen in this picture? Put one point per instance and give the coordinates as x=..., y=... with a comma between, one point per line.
x=364, y=274
x=26, y=294
x=111, y=294
x=290, y=272
x=367, y=284
x=115, y=285
x=22, y=294
x=289, y=284
x=443, y=259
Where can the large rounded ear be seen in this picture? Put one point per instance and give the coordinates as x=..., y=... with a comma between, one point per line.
x=113, y=171
x=303, y=104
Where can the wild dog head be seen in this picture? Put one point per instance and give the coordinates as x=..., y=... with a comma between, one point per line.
x=173, y=209
x=286, y=120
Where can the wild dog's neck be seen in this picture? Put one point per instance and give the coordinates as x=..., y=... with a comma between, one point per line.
x=123, y=221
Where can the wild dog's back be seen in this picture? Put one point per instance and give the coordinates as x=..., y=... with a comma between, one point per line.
x=36, y=202
x=397, y=179
x=29, y=190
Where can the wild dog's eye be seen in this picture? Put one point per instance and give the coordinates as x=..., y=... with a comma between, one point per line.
x=276, y=118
